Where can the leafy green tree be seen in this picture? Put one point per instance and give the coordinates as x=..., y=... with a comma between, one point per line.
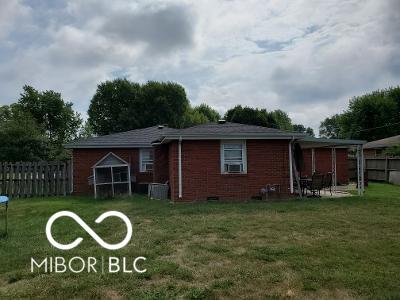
x=330, y=127
x=114, y=107
x=163, y=103
x=121, y=105
x=21, y=138
x=282, y=119
x=302, y=129
x=55, y=117
x=193, y=117
x=393, y=151
x=211, y=114
x=251, y=116
x=310, y=131
x=86, y=131
x=369, y=117
x=299, y=128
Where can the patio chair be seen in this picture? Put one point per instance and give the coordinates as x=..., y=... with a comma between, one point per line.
x=316, y=185
x=4, y=200
x=328, y=182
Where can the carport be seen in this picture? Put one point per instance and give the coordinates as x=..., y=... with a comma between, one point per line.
x=333, y=144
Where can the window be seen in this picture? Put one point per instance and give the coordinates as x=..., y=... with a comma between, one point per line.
x=233, y=157
x=146, y=160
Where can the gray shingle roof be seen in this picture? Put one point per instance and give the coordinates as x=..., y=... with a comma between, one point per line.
x=383, y=143
x=144, y=137
x=137, y=138
x=229, y=130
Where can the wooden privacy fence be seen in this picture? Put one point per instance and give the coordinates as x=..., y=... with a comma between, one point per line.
x=27, y=179
x=376, y=168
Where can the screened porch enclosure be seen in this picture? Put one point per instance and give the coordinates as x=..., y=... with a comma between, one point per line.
x=111, y=177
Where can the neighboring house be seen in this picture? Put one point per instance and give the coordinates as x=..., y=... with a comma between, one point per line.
x=377, y=148
x=224, y=161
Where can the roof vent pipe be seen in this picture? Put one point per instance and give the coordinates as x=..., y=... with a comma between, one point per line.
x=222, y=121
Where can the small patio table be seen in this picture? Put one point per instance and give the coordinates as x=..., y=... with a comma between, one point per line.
x=4, y=200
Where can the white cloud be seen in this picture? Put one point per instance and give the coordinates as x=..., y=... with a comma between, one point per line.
x=12, y=12
x=305, y=57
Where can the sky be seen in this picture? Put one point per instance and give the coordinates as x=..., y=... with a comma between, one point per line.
x=307, y=58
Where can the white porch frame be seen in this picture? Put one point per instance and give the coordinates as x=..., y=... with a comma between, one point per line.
x=316, y=143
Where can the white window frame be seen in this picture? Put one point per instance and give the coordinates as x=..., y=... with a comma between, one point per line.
x=141, y=161
x=244, y=155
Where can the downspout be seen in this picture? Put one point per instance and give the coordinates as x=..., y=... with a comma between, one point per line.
x=180, y=168
x=313, y=168
x=291, y=166
x=334, y=167
x=358, y=171
x=362, y=169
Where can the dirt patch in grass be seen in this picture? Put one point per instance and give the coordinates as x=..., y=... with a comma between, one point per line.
x=111, y=294
x=3, y=282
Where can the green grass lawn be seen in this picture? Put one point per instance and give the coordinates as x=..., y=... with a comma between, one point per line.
x=313, y=248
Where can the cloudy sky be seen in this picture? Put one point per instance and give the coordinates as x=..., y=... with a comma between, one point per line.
x=305, y=57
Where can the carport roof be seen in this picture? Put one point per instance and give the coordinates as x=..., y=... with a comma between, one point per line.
x=313, y=142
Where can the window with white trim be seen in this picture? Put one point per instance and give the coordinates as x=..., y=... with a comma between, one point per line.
x=233, y=157
x=146, y=160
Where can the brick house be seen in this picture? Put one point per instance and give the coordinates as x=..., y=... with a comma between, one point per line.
x=377, y=148
x=224, y=161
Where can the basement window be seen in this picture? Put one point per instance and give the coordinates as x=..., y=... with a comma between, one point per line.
x=146, y=160
x=111, y=177
x=233, y=157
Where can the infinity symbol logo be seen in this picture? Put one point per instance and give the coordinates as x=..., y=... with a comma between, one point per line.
x=93, y=234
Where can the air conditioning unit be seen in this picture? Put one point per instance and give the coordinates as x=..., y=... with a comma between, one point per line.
x=148, y=167
x=234, y=168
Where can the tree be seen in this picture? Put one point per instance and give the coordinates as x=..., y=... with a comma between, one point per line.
x=163, y=103
x=393, y=151
x=310, y=131
x=330, y=127
x=113, y=107
x=86, y=131
x=193, y=117
x=299, y=128
x=282, y=119
x=54, y=117
x=251, y=116
x=20, y=136
x=369, y=117
x=302, y=129
x=121, y=105
x=211, y=114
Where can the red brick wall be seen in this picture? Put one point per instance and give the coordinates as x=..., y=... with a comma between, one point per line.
x=323, y=163
x=267, y=162
x=161, y=166
x=84, y=159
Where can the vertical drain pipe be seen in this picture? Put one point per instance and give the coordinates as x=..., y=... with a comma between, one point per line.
x=313, y=161
x=180, y=167
x=291, y=167
x=362, y=162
